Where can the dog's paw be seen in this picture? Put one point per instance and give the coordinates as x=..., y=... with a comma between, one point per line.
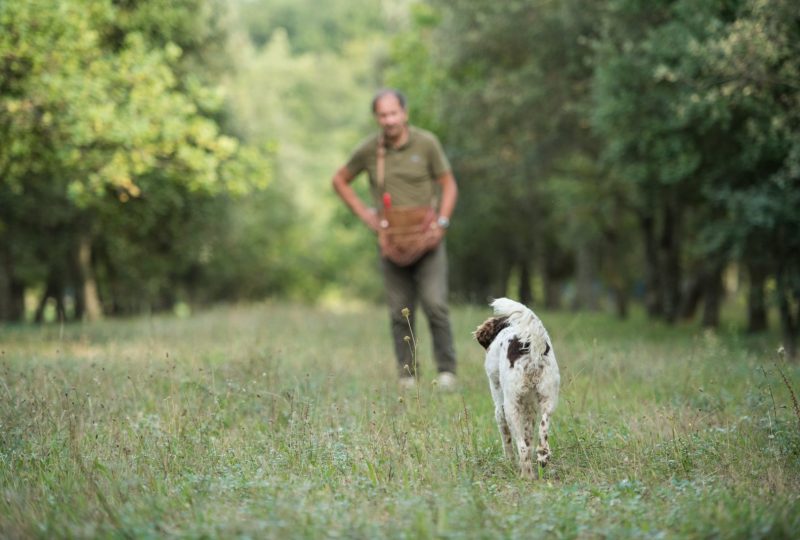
x=542, y=456
x=526, y=471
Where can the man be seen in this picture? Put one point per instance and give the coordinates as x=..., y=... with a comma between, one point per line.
x=415, y=172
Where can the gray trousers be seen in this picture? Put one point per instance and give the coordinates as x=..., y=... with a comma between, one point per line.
x=426, y=281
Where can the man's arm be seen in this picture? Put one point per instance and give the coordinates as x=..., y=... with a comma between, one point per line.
x=449, y=194
x=341, y=183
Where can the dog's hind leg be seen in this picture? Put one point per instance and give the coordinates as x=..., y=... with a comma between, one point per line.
x=518, y=416
x=500, y=418
x=505, y=431
x=543, y=450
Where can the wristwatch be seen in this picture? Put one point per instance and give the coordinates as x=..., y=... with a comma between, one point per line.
x=443, y=222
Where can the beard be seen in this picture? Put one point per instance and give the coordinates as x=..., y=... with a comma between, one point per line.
x=393, y=132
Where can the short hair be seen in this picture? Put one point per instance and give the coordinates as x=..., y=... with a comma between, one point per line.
x=389, y=92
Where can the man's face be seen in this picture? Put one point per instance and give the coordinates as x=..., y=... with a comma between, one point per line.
x=390, y=116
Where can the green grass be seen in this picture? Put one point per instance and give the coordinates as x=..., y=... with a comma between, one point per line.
x=281, y=421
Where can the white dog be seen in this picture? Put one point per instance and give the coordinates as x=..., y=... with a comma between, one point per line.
x=523, y=376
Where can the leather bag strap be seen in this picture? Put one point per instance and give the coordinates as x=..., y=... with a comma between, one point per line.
x=380, y=167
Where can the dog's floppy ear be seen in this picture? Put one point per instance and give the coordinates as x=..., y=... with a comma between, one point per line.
x=486, y=332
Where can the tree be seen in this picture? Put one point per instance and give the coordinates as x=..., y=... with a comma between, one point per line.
x=672, y=146
x=753, y=75
x=92, y=117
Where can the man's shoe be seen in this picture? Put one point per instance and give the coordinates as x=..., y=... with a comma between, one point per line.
x=446, y=380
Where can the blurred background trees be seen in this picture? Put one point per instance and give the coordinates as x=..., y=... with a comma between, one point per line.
x=610, y=154
x=622, y=149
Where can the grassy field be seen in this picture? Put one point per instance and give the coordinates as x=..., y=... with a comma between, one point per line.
x=281, y=421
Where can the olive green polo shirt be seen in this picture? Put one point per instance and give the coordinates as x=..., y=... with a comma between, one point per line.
x=410, y=172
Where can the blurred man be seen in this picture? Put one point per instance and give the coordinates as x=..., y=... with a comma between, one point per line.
x=414, y=194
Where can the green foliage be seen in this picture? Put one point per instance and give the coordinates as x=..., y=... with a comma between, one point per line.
x=225, y=424
x=578, y=132
x=311, y=107
x=322, y=27
x=699, y=104
x=756, y=64
x=111, y=119
x=106, y=139
x=413, y=68
x=601, y=148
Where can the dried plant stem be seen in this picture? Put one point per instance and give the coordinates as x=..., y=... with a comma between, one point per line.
x=791, y=393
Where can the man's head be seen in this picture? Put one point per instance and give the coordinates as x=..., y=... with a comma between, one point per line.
x=389, y=108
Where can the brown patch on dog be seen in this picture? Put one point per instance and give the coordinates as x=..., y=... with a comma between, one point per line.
x=520, y=398
x=486, y=332
x=517, y=349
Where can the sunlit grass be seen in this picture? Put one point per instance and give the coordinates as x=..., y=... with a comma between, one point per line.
x=282, y=421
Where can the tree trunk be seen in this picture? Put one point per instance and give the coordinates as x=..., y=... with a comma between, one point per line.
x=616, y=272
x=525, y=290
x=671, y=268
x=789, y=319
x=585, y=297
x=552, y=294
x=652, y=277
x=552, y=284
x=693, y=294
x=93, y=310
x=55, y=291
x=621, y=302
x=5, y=289
x=17, y=301
x=712, y=298
x=756, y=298
x=556, y=266
x=12, y=291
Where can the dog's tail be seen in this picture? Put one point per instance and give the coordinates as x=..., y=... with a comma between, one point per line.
x=525, y=323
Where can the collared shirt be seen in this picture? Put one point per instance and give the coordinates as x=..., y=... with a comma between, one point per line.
x=410, y=171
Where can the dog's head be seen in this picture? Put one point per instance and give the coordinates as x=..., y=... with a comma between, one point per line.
x=487, y=331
